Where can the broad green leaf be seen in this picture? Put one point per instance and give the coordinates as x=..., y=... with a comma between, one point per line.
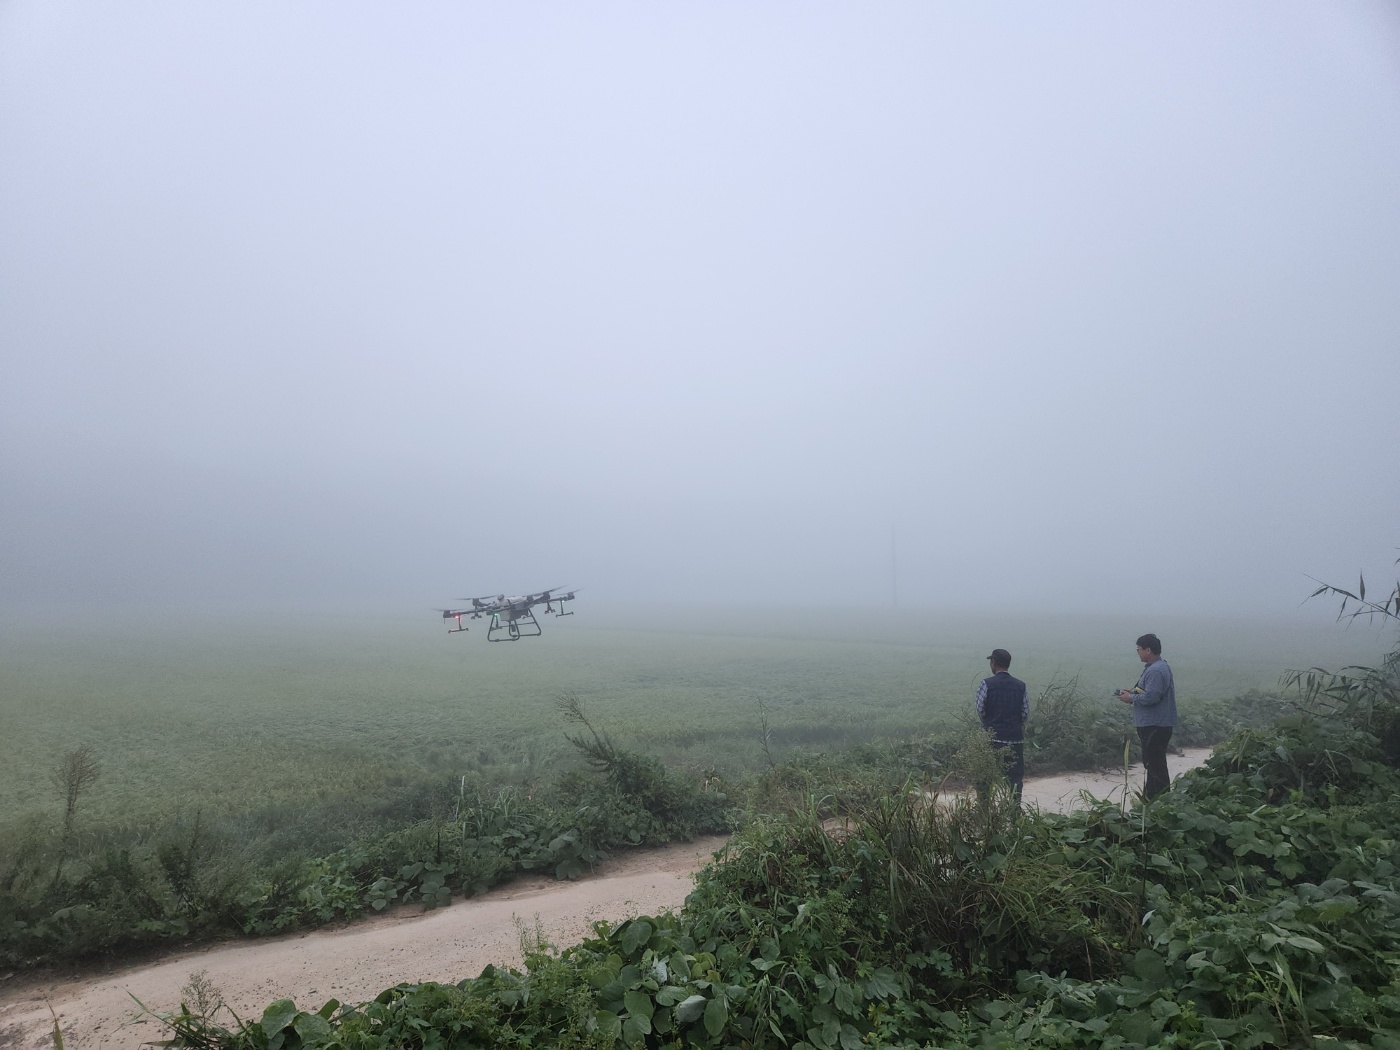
x=312, y=1028
x=277, y=1016
x=1140, y=1027
x=636, y=1028
x=1148, y=965
x=690, y=1009
x=716, y=1017
x=635, y=936
x=1164, y=1009
x=609, y=1024
x=825, y=1015
x=882, y=984
x=661, y=1020
x=639, y=1004
x=680, y=965
x=670, y=995
x=1336, y=908
x=1222, y=1027
x=831, y=1032
x=569, y=868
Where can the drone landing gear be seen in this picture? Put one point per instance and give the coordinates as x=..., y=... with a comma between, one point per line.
x=512, y=628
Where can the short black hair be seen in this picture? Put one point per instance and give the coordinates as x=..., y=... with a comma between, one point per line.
x=1150, y=641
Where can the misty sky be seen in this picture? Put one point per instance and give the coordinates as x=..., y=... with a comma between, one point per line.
x=1089, y=306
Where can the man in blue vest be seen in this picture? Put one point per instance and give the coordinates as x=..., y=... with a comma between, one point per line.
x=1154, y=713
x=1003, y=707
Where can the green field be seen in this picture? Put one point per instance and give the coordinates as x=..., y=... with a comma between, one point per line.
x=232, y=714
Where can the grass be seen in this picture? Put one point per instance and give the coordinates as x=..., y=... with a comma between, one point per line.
x=239, y=713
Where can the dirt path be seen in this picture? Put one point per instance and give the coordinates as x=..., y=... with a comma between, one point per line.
x=357, y=962
x=1061, y=793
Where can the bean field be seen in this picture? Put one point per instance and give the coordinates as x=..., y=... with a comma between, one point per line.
x=233, y=713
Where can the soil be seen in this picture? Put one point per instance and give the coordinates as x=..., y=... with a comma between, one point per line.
x=356, y=962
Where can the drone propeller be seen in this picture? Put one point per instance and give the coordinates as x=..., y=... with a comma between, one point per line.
x=549, y=598
x=485, y=601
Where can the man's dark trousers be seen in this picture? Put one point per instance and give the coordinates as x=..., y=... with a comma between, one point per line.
x=1013, y=757
x=1154, y=741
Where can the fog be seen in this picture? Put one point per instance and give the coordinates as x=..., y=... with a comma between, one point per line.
x=994, y=306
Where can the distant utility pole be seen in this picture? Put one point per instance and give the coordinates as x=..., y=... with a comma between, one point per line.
x=894, y=573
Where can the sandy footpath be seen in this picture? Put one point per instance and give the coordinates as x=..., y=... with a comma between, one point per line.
x=357, y=962
x=1061, y=793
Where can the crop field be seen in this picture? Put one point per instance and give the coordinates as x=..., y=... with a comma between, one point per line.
x=228, y=714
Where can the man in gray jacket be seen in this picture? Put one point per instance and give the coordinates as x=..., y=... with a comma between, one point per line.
x=1154, y=712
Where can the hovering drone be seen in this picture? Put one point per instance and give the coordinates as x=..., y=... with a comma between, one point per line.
x=513, y=617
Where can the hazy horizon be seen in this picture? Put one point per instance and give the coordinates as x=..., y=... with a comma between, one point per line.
x=1007, y=308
